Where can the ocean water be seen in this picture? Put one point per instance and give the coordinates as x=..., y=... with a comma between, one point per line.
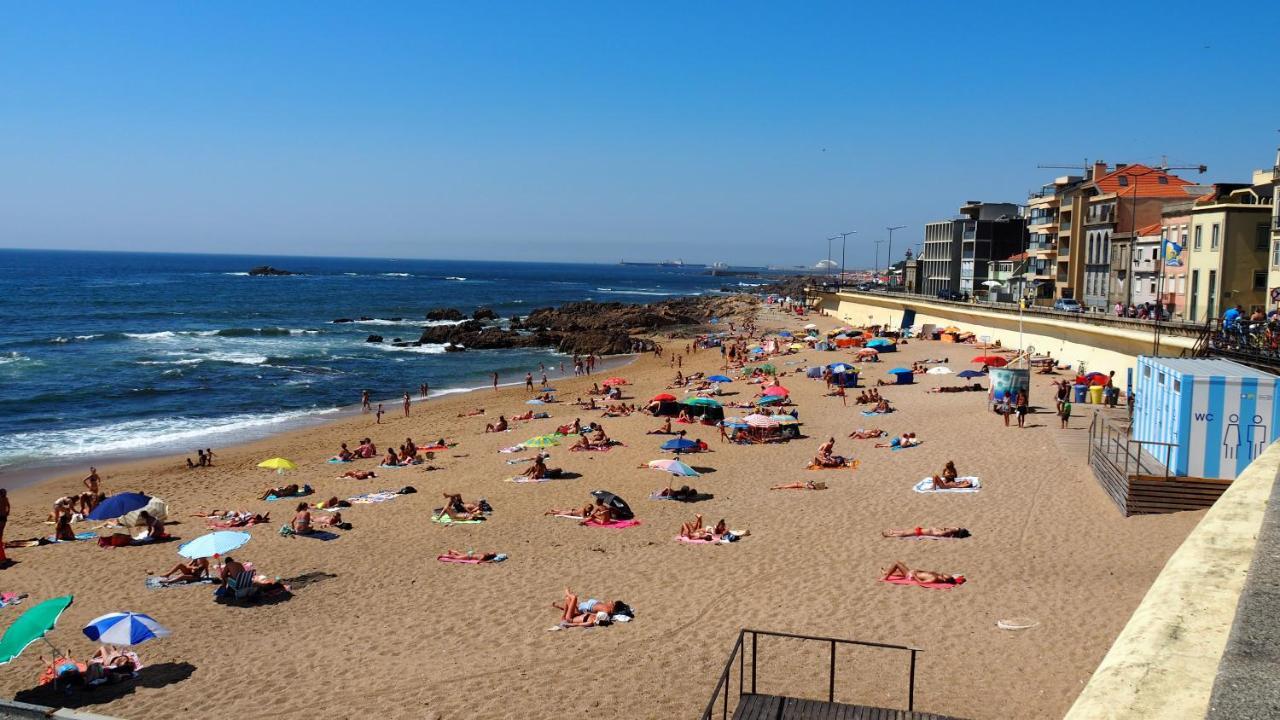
x=125, y=354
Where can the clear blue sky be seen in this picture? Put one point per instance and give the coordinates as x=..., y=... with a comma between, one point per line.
x=591, y=131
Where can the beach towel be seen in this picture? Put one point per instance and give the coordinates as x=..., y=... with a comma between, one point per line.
x=719, y=540
x=848, y=465
x=926, y=486
x=873, y=413
x=896, y=448
x=321, y=535
x=371, y=498
x=80, y=537
x=932, y=586
x=512, y=449
x=615, y=524
x=153, y=582
x=440, y=518
x=523, y=479
x=304, y=491
x=11, y=598
x=473, y=561
x=336, y=461
x=594, y=448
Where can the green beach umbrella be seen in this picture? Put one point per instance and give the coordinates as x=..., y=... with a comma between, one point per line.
x=31, y=626
x=702, y=402
x=542, y=441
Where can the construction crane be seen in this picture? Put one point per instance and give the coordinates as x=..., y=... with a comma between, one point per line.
x=1164, y=166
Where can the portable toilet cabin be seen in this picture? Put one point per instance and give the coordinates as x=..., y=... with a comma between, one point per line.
x=1215, y=416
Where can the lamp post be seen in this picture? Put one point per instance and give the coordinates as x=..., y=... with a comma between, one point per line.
x=876, y=271
x=829, y=259
x=888, y=260
x=843, y=235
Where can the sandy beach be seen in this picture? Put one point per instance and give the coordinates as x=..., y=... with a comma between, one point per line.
x=388, y=631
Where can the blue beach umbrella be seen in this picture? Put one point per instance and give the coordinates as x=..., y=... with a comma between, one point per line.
x=214, y=543
x=679, y=445
x=117, y=505
x=123, y=628
x=899, y=371
x=770, y=399
x=966, y=374
x=720, y=379
x=785, y=333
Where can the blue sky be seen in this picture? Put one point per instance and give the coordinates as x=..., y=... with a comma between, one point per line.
x=732, y=131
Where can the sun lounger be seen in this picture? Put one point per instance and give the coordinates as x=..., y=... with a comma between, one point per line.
x=239, y=587
x=926, y=486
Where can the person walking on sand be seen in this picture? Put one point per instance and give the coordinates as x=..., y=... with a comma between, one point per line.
x=378, y=415
x=407, y=400
x=495, y=382
x=1064, y=412
x=364, y=401
x=1020, y=406
x=528, y=381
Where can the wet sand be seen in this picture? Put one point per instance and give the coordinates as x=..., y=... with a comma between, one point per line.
x=394, y=633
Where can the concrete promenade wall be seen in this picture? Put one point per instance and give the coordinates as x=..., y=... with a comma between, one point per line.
x=1100, y=346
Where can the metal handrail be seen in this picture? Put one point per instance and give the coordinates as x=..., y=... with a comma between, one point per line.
x=722, y=685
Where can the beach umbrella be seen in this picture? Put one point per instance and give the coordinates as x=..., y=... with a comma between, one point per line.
x=675, y=467
x=785, y=420
x=31, y=626
x=720, y=379
x=680, y=445
x=701, y=402
x=967, y=374
x=757, y=420
x=992, y=360
x=213, y=544
x=940, y=370
x=839, y=368
x=663, y=397
x=124, y=628
x=541, y=441
x=900, y=371
x=796, y=346
x=117, y=505
x=770, y=399
x=879, y=343
x=810, y=326
x=278, y=464
x=777, y=390
x=615, y=381
x=785, y=333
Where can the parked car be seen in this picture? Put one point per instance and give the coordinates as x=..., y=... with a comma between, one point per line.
x=1068, y=305
x=949, y=295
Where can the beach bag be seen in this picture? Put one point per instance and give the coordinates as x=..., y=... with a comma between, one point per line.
x=407, y=490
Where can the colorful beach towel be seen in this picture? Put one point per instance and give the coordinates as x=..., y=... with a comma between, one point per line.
x=522, y=479
x=80, y=537
x=154, y=583
x=896, y=448
x=375, y=497
x=304, y=491
x=473, y=561
x=926, y=486
x=11, y=598
x=336, y=461
x=932, y=586
x=873, y=413
x=615, y=524
x=321, y=535
x=441, y=518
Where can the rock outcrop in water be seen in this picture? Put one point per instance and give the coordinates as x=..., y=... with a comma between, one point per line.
x=591, y=327
x=484, y=313
x=445, y=313
x=268, y=270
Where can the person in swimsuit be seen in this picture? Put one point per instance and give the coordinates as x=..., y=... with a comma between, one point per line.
x=905, y=440
x=63, y=529
x=301, y=522
x=577, y=512
x=358, y=474
x=499, y=426
x=584, y=613
x=193, y=571
x=601, y=514
x=900, y=570
x=344, y=455
x=4, y=520
x=456, y=509
x=948, y=479
x=482, y=557
x=809, y=485
x=663, y=429
x=282, y=491
x=943, y=532
x=861, y=434
x=92, y=481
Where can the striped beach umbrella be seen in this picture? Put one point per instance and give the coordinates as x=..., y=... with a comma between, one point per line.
x=124, y=628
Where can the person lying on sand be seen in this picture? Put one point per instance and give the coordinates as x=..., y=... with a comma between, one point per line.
x=584, y=613
x=905, y=440
x=900, y=570
x=472, y=413
x=976, y=387
x=235, y=518
x=110, y=665
x=600, y=513
x=481, y=557
x=942, y=532
x=694, y=529
x=577, y=512
x=197, y=569
x=809, y=485
x=358, y=475
x=873, y=433
x=948, y=479
x=663, y=429
x=684, y=492
x=457, y=509
x=331, y=503
x=283, y=491
x=499, y=426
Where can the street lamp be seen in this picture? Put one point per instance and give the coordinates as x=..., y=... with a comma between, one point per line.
x=829, y=258
x=876, y=271
x=843, y=235
x=888, y=261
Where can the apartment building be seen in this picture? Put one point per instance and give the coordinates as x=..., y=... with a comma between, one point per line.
x=1145, y=266
x=1273, y=271
x=1230, y=249
x=940, y=258
x=1175, y=234
x=1042, y=241
x=957, y=252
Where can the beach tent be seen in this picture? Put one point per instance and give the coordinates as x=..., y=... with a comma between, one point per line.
x=847, y=379
x=813, y=372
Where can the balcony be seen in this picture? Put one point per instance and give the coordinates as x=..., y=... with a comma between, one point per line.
x=968, y=235
x=1065, y=225
x=1042, y=247
x=1101, y=218
x=1042, y=219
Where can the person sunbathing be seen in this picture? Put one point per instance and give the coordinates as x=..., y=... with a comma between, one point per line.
x=948, y=479
x=499, y=426
x=232, y=519
x=301, y=522
x=582, y=444
x=283, y=491
x=599, y=439
x=331, y=503
x=523, y=416
x=825, y=458
x=472, y=413
x=808, y=485
x=873, y=433
x=905, y=440
x=576, y=512
x=584, y=613
x=600, y=513
x=663, y=429
x=882, y=407
x=480, y=557
x=956, y=388
x=344, y=455
x=109, y=665
x=390, y=459
x=939, y=532
x=193, y=571
x=456, y=509
x=684, y=492
x=900, y=570
x=358, y=474
x=694, y=529
x=153, y=530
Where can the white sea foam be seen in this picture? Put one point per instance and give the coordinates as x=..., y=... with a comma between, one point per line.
x=655, y=293
x=397, y=274
x=13, y=358
x=184, y=361
x=241, y=274
x=455, y=278
x=428, y=349
x=162, y=335
x=405, y=321
x=238, y=358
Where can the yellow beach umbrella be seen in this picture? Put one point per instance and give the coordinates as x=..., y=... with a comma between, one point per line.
x=278, y=464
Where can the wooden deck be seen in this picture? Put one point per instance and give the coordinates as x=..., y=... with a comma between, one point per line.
x=774, y=707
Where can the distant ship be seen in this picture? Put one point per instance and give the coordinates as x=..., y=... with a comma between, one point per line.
x=677, y=263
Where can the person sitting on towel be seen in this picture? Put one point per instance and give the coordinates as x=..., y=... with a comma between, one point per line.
x=900, y=570
x=949, y=479
x=499, y=426
x=943, y=532
x=282, y=491
x=882, y=406
x=344, y=455
x=390, y=459
x=193, y=571
x=539, y=470
x=600, y=513
x=456, y=509
x=663, y=429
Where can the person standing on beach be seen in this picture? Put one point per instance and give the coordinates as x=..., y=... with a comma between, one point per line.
x=208, y=457
x=426, y=390
x=1020, y=406
x=495, y=382
x=92, y=482
x=378, y=415
x=528, y=381
x=364, y=401
x=1064, y=412
x=407, y=400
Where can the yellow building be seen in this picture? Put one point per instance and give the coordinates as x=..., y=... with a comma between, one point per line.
x=1272, y=177
x=1228, y=256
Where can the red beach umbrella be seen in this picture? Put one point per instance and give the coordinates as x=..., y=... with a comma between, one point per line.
x=615, y=381
x=992, y=360
x=777, y=390
x=663, y=397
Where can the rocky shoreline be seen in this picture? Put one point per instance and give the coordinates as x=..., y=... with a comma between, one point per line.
x=611, y=328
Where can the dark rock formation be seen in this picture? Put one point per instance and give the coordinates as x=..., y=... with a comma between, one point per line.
x=374, y=339
x=342, y=320
x=445, y=314
x=484, y=313
x=268, y=270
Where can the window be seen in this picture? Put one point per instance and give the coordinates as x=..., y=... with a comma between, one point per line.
x=1124, y=181
x=1198, y=229
x=1212, y=306
x=1163, y=179
x=1261, y=237
x=1213, y=239
x=1146, y=371
x=1153, y=286
x=1259, y=279
x=1177, y=384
